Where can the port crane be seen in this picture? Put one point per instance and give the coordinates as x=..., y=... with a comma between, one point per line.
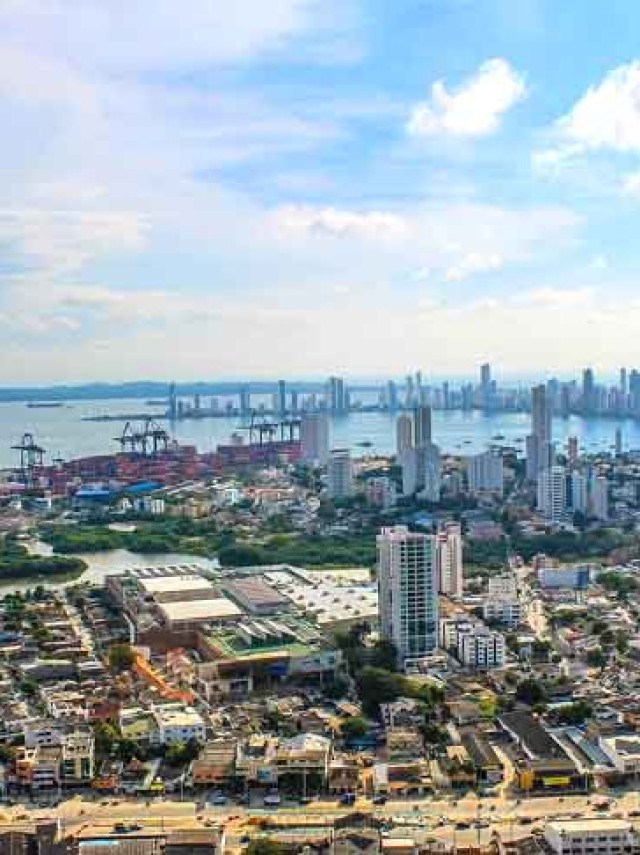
x=31, y=457
x=145, y=438
x=263, y=431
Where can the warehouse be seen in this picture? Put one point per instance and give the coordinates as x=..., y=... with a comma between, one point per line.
x=256, y=596
x=191, y=614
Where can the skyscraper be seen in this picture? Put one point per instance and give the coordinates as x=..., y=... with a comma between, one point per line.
x=407, y=585
x=449, y=560
x=392, y=396
x=485, y=473
x=422, y=426
x=339, y=474
x=430, y=472
x=404, y=433
x=314, y=438
x=552, y=493
x=539, y=442
x=599, y=498
x=336, y=396
x=245, y=400
x=588, y=390
x=281, y=398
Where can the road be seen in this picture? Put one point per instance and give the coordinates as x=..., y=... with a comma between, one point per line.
x=433, y=817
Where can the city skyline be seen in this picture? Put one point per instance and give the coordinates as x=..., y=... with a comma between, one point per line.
x=320, y=187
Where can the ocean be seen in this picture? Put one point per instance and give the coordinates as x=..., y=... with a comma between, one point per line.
x=63, y=433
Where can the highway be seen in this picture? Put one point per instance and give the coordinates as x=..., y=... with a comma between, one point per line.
x=469, y=819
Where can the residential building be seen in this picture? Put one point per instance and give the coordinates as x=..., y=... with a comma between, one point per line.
x=314, y=438
x=481, y=648
x=539, y=443
x=449, y=560
x=579, y=492
x=431, y=472
x=502, y=586
x=422, y=426
x=505, y=610
x=592, y=834
x=340, y=474
x=485, y=473
x=404, y=433
x=552, y=493
x=380, y=492
x=599, y=498
x=407, y=581
x=177, y=723
x=623, y=751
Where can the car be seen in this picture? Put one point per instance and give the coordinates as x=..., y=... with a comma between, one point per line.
x=218, y=799
x=526, y=820
x=347, y=799
x=461, y=825
x=272, y=799
x=380, y=799
x=634, y=813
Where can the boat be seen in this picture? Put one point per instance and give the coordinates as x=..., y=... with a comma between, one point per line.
x=365, y=443
x=498, y=437
x=45, y=405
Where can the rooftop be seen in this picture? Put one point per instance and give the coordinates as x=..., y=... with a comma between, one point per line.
x=167, y=584
x=200, y=610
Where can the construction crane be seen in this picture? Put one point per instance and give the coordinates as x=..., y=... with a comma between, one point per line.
x=144, y=438
x=31, y=457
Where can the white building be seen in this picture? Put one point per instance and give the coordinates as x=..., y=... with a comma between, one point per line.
x=380, y=492
x=505, y=610
x=552, y=493
x=579, y=492
x=623, y=751
x=599, y=498
x=430, y=472
x=592, y=835
x=407, y=584
x=481, y=649
x=485, y=473
x=404, y=433
x=314, y=438
x=449, y=560
x=178, y=724
x=502, y=586
x=579, y=576
x=340, y=474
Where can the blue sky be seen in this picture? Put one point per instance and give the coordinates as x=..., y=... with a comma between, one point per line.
x=302, y=187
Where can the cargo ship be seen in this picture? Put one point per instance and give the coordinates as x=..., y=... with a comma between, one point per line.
x=45, y=405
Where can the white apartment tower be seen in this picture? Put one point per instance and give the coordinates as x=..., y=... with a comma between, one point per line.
x=404, y=433
x=539, y=442
x=449, y=560
x=314, y=438
x=408, y=598
x=485, y=473
x=339, y=474
x=552, y=493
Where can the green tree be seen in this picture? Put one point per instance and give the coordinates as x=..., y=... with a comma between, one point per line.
x=354, y=727
x=384, y=655
x=264, y=846
x=106, y=737
x=530, y=692
x=121, y=657
x=377, y=686
x=596, y=658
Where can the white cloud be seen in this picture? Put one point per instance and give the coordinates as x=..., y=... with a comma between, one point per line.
x=605, y=118
x=369, y=225
x=631, y=184
x=474, y=108
x=474, y=262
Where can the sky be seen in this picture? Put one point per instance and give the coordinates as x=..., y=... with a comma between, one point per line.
x=294, y=188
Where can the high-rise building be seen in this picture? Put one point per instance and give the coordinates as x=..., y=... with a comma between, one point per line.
x=380, y=492
x=573, y=450
x=404, y=433
x=173, y=402
x=485, y=375
x=539, y=442
x=407, y=585
x=618, y=442
x=599, y=498
x=314, y=438
x=624, y=388
x=552, y=493
x=245, y=400
x=422, y=426
x=281, y=398
x=294, y=402
x=412, y=481
x=485, y=473
x=339, y=474
x=336, y=396
x=430, y=471
x=392, y=396
x=579, y=492
x=409, y=399
x=588, y=390
x=449, y=560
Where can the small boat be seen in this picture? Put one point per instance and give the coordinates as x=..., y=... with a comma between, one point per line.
x=365, y=443
x=498, y=437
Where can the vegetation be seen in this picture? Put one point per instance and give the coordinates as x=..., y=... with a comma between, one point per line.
x=264, y=846
x=531, y=692
x=16, y=563
x=354, y=727
x=121, y=658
